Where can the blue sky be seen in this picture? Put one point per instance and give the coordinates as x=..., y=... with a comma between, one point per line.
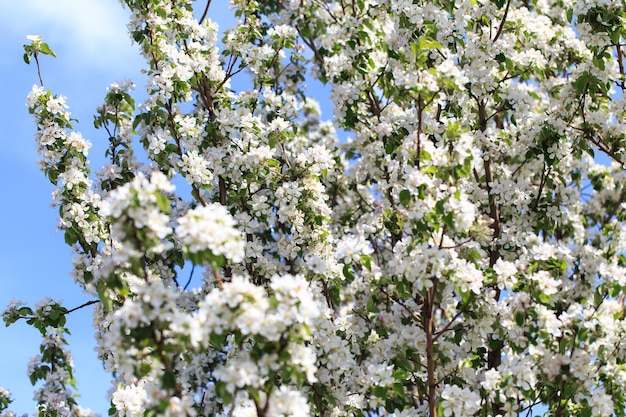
x=93, y=50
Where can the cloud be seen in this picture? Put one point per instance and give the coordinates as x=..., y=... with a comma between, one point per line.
x=91, y=33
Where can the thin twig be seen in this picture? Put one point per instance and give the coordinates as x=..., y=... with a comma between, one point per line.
x=506, y=11
x=38, y=68
x=218, y=278
x=206, y=10
x=190, y=276
x=437, y=335
x=88, y=303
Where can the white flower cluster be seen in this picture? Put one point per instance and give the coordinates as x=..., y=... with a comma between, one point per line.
x=245, y=306
x=54, y=367
x=459, y=401
x=129, y=401
x=240, y=306
x=64, y=162
x=140, y=205
x=210, y=228
x=5, y=400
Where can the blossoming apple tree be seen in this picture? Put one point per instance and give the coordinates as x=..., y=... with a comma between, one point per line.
x=460, y=253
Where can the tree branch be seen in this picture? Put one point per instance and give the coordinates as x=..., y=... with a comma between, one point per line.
x=506, y=12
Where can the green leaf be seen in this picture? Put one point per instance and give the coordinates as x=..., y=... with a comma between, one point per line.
x=162, y=202
x=615, y=290
x=101, y=288
x=222, y=392
x=335, y=295
x=581, y=337
x=168, y=380
x=545, y=298
x=599, y=62
x=25, y=311
x=598, y=296
x=405, y=198
x=490, y=276
x=466, y=296
x=143, y=370
x=520, y=318
x=367, y=262
x=415, y=50
x=371, y=307
x=582, y=82
x=217, y=339
x=217, y=261
x=585, y=412
x=347, y=272
x=398, y=388
x=380, y=392
x=44, y=48
x=448, y=220
x=287, y=373
x=425, y=43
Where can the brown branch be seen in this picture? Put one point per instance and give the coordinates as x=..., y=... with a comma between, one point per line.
x=311, y=44
x=206, y=10
x=445, y=328
x=401, y=304
x=542, y=184
x=494, y=213
x=420, y=121
x=494, y=356
x=329, y=302
x=218, y=278
x=222, y=189
x=88, y=303
x=429, y=328
x=615, y=207
x=38, y=68
x=506, y=12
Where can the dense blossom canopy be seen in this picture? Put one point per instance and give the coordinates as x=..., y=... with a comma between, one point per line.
x=459, y=251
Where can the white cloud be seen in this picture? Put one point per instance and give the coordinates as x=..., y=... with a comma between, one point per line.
x=91, y=33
